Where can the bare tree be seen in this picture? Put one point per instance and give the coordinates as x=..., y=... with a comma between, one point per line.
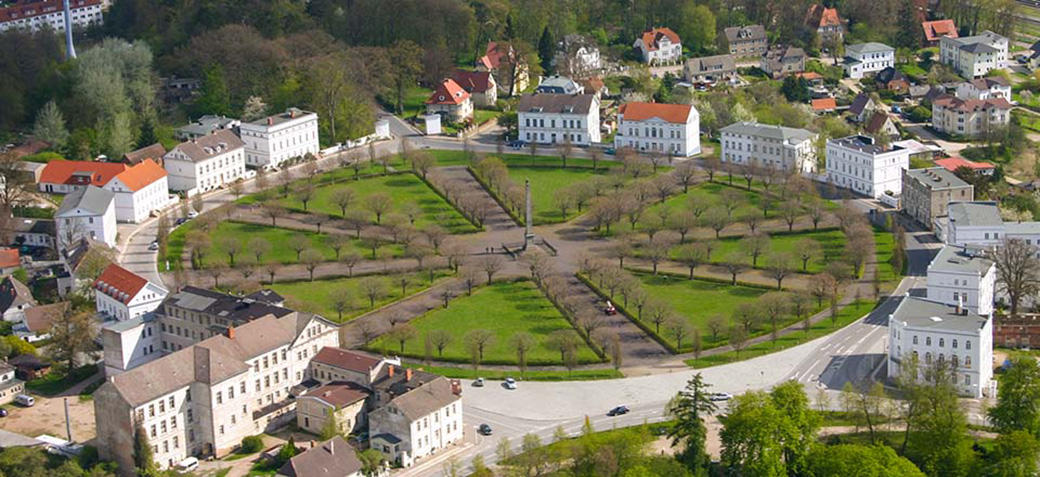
x=311, y=258
x=563, y=341
x=379, y=203
x=373, y=288
x=679, y=328
x=809, y=250
x=478, y=341
x=780, y=265
x=492, y=264
x=231, y=246
x=686, y=175
x=716, y=324
x=273, y=211
x=522, y=342
x=440, y=340
x=1018, y=271
x=343, y=198
x=304, y=193
x=470, y=276
x=692, y=255
x=403, y=334
x=754, y=246
x=350, y=259
x=368, y=329
x=341, y=301
x=734, y=264
x=298, y=243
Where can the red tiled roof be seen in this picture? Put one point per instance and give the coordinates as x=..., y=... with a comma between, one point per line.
x=820, y=16
x=33, y=8
x=824, y=104
x=970, y=105
x=673, y=113
x=809, y=75
x=119, y=283
x=939, y=28
x=448, y=92
x=63, y=172
x=953, y=163
x=339, y=394
x=141, y=175
x=9, y=258
x=594, y=84
x=346, y=359
x=474, y=81
x=492, y=58
x=654, y=35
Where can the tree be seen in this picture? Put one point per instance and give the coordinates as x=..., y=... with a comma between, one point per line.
x=440, y=339
x=232, y=246
x=678, y=328
x=780, y=265
x=735, y=266
x=859, y=460
x=1018, y=408
x=403, y=334
x=144, y=458
x=72, y=334
x=477, y=341
x=790, y=211
x=800, y=424
x=491, y=265
x=690, y=407
x=311, y=258
x=50, y=125
x=737, y=338
x=546, y=50
x=371, y=462
x=406, y=67
x=372, y=288
x=1018, y=271
x=692, y=255
x=809, y=250
x=214, y=97
x=379, y=203
x=273, y=211
x=774, y=305
x=342, y=198
x=717, y=218
x=287, y=452
x=937, y=427
x=563, y=341
x=298, y=243
x=750, y=436
x=521, y=343
x=1014, y=455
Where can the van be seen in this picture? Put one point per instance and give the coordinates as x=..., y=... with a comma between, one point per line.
x=188, y=465
x=24, y=400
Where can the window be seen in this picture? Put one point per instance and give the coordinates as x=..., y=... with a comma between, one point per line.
x=954, y=343
x=915, y=339
x=152, y=433
x=942, y=342
x=967, y=380
x=220, y=398
x=151, y=410
x=928, y=358
x=221, y=429
x=967, y=362
x=967, y=344
x=928, y=341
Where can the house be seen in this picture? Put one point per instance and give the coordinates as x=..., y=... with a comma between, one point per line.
x=50, y=14
x=953, y=163
x=990, y=87
x=28, y=367
x=969, y=118
x=746, y=41
x=865, y=58
x=1022, y=331
x=334, y=457
x=10, y=386
x=824, y=105
x=762, y=145
x=33, y=171
x=928, y=332
x=710, y=69
x=34, y=233
x=82, y=251
x=881, y=123
x=825, y=22
x=63, y=177
x=127, y=344
x=596, y=87
x=783, y=60
x=979, y=224
x=9, y=261
x=927, y=192
x=451, y=101
x=343, y=365
x=974, y=56
x=862, y=108
x=205, y=163
x=419, y=414
x=859, y=164
x=577, y=56
x=934, y=30
x=511, y=71
x=205, y=126
x=961, y=276
x=38, y=319
x=813, y=78
x=121, y=294
x=154, y=152
x=557, y=84
x=892, y=79
x=15, y=299
x=342, y=401
x=271, y=141
x=1033, y=55
x=659, y=46
x=481, y=86
x=925, y=92
x=202, y=400
x=139, y=191
x=559, y=118
x=671, y=129
x=89, y=213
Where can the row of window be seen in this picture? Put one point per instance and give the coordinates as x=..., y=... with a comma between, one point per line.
x=942, y=342
x=564, y=123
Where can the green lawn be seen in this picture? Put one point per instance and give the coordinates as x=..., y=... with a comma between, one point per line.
x=832, y=242
x=711, y=193
x=883, y=245
x=55, y=382
x=482, y=115
x=545, y=182
x=519, y=158
x=504, y=308
x=319, y=296
x=529, y=375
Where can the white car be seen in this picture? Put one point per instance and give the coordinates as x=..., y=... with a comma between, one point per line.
x=720, y=396
x=510, y=383
x=192, y=214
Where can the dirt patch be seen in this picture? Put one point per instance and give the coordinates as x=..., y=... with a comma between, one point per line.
x=48, y=417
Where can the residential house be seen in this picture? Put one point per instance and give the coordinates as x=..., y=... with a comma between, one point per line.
x=511, y=71
x=926, y=332
x=418, y=415
x=343, y=365
x=974, y=56
x=746, y=41
x=578, y=57
x=710, y=69
x=15, y=299
x=963, y=277
x=825, y=22
x=925, y=92
x=862, y=108
x=557, y=84
x=481, y=86
x=89, y=213
x=934, y=30
x=866, y=58
x=194, y=314
x=63, y=177
x=927, y=192
x=32, y=171
x=9, y=261
x=10, y=386
x=762, y=145
x=50, y=14
x=659, y=46
x=969, y=118
x=881, y=123
x=991, y=87
x=859, y=164
x=28, y=367
x=559, y=118
x=824, y=105
x=271, y=141
x=334, y=457
x=451, y=101
x=1033, y=55
x=671, y=129
x=38, y=319
x=596, y=87
x=342, y=401
x=205, y=126
x=73, y=256
x=154, y=152
x=892, y=79
x=783, y=60
x=34, y=233
x=122, y=294
x=139, y=191
x=953, y=163
x=205, y=163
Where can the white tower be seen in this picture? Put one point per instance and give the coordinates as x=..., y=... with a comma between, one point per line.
x=70, y=50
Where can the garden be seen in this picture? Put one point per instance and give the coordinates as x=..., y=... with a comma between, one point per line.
x=341, y=299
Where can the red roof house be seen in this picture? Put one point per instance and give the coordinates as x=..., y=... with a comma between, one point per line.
x=824, y=105
x=66, y=176
x=953, y=163
x=480, y=85
x=450, y=100
x=119, y=283
x=673, y=113
x=937, y=29
x=8, y=260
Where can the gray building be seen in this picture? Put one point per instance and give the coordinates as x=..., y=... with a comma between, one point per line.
x=710, y=69
x=783, y=60
x=928, y=192
x=747, y=40
x=204, y=126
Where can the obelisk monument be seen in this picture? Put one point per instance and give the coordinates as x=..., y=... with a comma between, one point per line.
x=528, y=234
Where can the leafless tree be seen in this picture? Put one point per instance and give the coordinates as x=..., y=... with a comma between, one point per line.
x=1018, y=271
x=350, y=259
x=440, y=340
x=343, y=198
x=491, y=265
x=273, y=211
x=780, y=265
x=311, y=258
x=379, y=203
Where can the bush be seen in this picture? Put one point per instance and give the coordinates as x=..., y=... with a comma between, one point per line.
x=920, y=114
x=251, y=445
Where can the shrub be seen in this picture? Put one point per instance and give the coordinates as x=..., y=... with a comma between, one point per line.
x=252, y=445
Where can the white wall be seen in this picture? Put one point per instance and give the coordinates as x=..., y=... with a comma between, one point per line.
x=866, y=173
x=185, y=174
x=55, y=20
x=971, y=380
x=270, y=146
x=664, y=137
x=78, y=223
x=971, y=289
x=551, y=128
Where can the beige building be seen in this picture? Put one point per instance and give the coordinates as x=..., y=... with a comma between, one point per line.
x=928, y=192
x=969, y=117
x=750, y=40
x=342, y=401
x=418, y=414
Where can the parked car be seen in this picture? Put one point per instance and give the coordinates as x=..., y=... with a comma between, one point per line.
x=192, y=214
x=484, y=430
x=516, y=144
x=510, y=383
x=479, y=382
x=154, y=245
x=181, y=221
x=24, y=400
x=720, y=396
x=618, y=411
x=191, y=464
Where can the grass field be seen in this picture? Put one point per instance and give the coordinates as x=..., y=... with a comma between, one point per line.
x=545, y=182
x=711, y=193
x=883, y=246
x=504, y=308
x=832, y=242
x=529, y=375
x=319, y=296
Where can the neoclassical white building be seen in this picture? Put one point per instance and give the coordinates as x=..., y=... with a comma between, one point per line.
x=672, y=129
x=765, y=145
x=206, y=163
x=275, y=139
x=659, y=46
x=868, y=58
x=859, y=164
x=139, y=191
x=547, y=118
x=89, y=212
x=122, y=294
x=961, y=276
x=974, y=56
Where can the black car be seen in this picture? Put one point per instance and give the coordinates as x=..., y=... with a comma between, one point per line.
x=484, y=430
x=618, y=411
x=181, y=221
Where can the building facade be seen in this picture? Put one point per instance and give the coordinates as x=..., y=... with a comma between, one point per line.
x=36, y=15
x=9, y=385
x=481, y=86
x=559, y=118
x=206, y=163
x=961, y=276
x=121, y=294
x=867, y=58
x=659, y=46
x=271, y=141
x=974, y=56
x=130, y=343
x=746, y=41
x=344, y=402
x=762, y=145
x=927, y=192
x=671, y=129
x=971, y=117
x=710, y=69
x=450, y=101
x=991, y=87
x=63, y=177
x=783, y=60
x=139, y=191
x=87, y=213
x=860, y=165
x=419, y=422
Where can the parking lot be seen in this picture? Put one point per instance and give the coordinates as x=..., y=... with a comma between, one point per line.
x=47, y=416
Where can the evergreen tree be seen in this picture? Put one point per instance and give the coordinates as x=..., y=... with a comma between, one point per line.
x=908, y=32
x=214, y=95
x=546, y=47
x=689, y=408
x=147, y=136
x=144, y=458
x=50, y=125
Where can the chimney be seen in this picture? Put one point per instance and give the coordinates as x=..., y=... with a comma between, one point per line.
x=408, y=374
x=960, y=305
x=231, y=332
x=270, y=121
x=391, y=371
x=292, y=113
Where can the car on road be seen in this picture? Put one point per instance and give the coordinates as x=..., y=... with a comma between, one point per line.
x=192, y=214
x=154, y=245
x=484, y=430
x=479, y=383
x=618, y=411
x=510, y=383
x=720, y=396
x=516, y=144
x=181, y=221
x=611, y=151
x=610, y=309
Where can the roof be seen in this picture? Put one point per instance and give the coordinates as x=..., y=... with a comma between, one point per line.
x=745, y=33
x=91, y=199
x=492, y=58
x=9, y=258
x=32, y=226
x=989, y=82
x=877, y=122
x=934, y=316
x=981, y=43
x=672, y=113
x=154, y=152
x=809, y=75
x=869, y=47
x=126, y=325
x=933, y=30
x=580, y=104
x=14, y=293
x=821, y=17
x=346, y=359
x=78, y=250
x=80, y=172
x=142, y=175
x=230, y=307
x=268, y=296
x=651, y=37
x=207, y=124
x=399, y=383
x=38, y=318
x=474, y=81
x=974, y=214
x=953, y=163
x=890, y=74
x=10, y=439
x=786, y=134
x=426, y=398
x=824, y=104
x=119, y=283
x=954, y=103
x=952, y=258
x=205, y=147
x=860, y=103
x=937, y=178
x=784, y=53
x=28, y=360
x=290, y=114
x=917, y=147
x=448, y=92
x=339, y=394
x=712, y=64
x=864, y=144
x=28, y=9
x=558, y=84
x=332, y=458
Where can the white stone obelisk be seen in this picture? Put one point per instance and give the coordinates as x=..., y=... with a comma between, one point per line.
x=528, y=234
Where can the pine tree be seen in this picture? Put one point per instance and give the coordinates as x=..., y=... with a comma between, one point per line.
x=689, y=408
x=908, y=31
x=545, y=50
x=50, y=125
x=147, y=136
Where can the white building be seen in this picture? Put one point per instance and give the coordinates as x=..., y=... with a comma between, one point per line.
x=9, y=385
x=122, y=294
x=62, y=177
x=34, y=232
x=205, y=163
x=426, y=416
x=275, y=139
x=971, y=224
x=857, y=163
x=961, y=276
x=89, y=213
x=35, y=15
x=559, y=85
x=15, y=299
x=578, y=56
x=867, y=58
x=659, y=46
x=974, y=56
x=935, y=333
x=672, y=129
x=139, y=191
x=763, y=145
x=557, y=118
x=130, y=343
x=451, y=101
x=990, y=87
